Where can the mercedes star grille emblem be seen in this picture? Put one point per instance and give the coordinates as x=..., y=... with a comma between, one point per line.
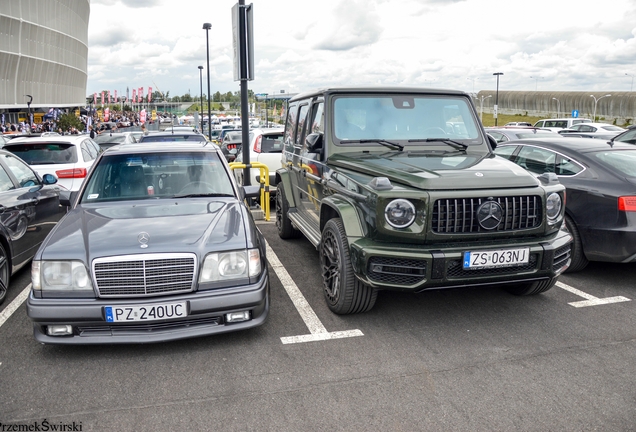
x=144, y=238
x=489, y=215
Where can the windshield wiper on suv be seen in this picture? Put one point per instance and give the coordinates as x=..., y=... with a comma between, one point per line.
x=448, y=141
x=385, y=143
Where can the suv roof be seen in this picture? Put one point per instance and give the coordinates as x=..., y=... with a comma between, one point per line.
x=375, y=90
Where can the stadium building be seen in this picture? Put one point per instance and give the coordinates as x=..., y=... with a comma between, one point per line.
x=43, y=56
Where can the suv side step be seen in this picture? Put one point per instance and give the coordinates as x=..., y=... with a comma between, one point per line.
x=307, y=229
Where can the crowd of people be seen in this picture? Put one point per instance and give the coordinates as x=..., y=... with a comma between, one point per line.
x=115, y=120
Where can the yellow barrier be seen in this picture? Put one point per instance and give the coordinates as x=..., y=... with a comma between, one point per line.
x=264, y=181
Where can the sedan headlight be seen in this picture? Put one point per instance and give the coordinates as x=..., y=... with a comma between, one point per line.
x=60, y=276
x=400, y=213
x=230, y=265
x=553, y=206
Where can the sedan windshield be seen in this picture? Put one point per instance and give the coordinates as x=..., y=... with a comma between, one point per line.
x=410, y=118
x=160, y=175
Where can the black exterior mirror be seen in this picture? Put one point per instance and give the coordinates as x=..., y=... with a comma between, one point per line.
x=314, y=142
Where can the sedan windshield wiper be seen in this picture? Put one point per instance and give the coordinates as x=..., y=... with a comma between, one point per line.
x=450, y=142
x=385, y=143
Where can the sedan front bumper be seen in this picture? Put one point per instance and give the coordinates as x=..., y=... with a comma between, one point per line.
x=206, y=316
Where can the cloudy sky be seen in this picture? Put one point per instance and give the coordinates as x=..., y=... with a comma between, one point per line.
x=545, y=45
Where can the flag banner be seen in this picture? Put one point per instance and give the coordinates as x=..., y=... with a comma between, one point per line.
x=149, y=94
x=115, y=95
x=102, y=98
x=134, y=98
x=140, y=94
x=94, y=98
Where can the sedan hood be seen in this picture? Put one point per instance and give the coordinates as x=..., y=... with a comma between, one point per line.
x=187, y=225
x=438, y=171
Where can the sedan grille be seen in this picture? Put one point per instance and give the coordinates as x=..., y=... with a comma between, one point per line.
x=459, y=215
x=144, y=275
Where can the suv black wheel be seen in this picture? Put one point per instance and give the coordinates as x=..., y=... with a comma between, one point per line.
x=4, y=273
x=532, y=288
x=285, y=228
x=579, y=261
x=345, y=294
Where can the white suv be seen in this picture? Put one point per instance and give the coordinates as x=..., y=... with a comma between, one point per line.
x=266, y=146
x=556, y=125
x=71, y=155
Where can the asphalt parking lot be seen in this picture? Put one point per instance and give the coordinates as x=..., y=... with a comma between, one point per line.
x=442, y=360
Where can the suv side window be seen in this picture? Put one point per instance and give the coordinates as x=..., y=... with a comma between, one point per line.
x=318, y=118
x=290, y=127
x=302, y=117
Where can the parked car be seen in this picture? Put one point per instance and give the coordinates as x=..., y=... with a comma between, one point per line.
x=558, y=124
x=601, y=192
x=108, y=139
x=396, y=199
x=518, y=124
x=509, y=134
x=266, y=146
x=628, y=136
x=231, y=145
x=30, y=208
x=173, y=137
x=69, y=157
x=592, y=130
x=158, y=245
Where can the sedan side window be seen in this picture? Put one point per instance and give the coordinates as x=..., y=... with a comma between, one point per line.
x=506, y=151
x=5, y=181
x=567, y=167
x=536, y=160
x=25, y=175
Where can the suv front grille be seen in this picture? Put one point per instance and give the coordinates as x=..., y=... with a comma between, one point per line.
x=459, y=215
x=396, y=271
x=144, y=274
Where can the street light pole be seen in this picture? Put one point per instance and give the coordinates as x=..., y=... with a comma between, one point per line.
x=201, y=109
x=207, y=27
x=266, y=113
x=536, y=82
x=29, y=106
x=497, y=96
x=473, y=80
x=481, y=107
x=632, y=87
x=558, y=106
x=595, y=102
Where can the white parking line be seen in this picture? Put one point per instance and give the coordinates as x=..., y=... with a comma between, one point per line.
x=317, y=330
x=15, y=304
x=591, y=300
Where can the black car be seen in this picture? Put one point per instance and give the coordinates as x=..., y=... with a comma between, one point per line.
x=600, y=179
x=231, y=145
x=30, y=207
x=173, y=137
x=158, y=245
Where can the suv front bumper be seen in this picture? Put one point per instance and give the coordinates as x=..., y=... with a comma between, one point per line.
x=418, y=268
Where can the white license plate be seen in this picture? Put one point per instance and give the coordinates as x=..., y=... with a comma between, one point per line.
x=145, y=312
x=496, y=258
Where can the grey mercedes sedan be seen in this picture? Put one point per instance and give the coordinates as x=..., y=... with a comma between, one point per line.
x=158, y=245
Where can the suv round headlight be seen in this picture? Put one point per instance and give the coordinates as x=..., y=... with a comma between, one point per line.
x=553, y=206
x=400, y=213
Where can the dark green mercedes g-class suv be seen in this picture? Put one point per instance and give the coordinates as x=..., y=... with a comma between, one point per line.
x=399, y=189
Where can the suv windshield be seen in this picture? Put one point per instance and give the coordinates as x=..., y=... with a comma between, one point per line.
x=404, y=117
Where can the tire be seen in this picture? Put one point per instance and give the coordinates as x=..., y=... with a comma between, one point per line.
x=5, y=274
x=343, y=291
x=578, y=259
x=285, y=228
x=532, y=288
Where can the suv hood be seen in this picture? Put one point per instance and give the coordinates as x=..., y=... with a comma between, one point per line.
x=438, y=171
x=184, y=225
